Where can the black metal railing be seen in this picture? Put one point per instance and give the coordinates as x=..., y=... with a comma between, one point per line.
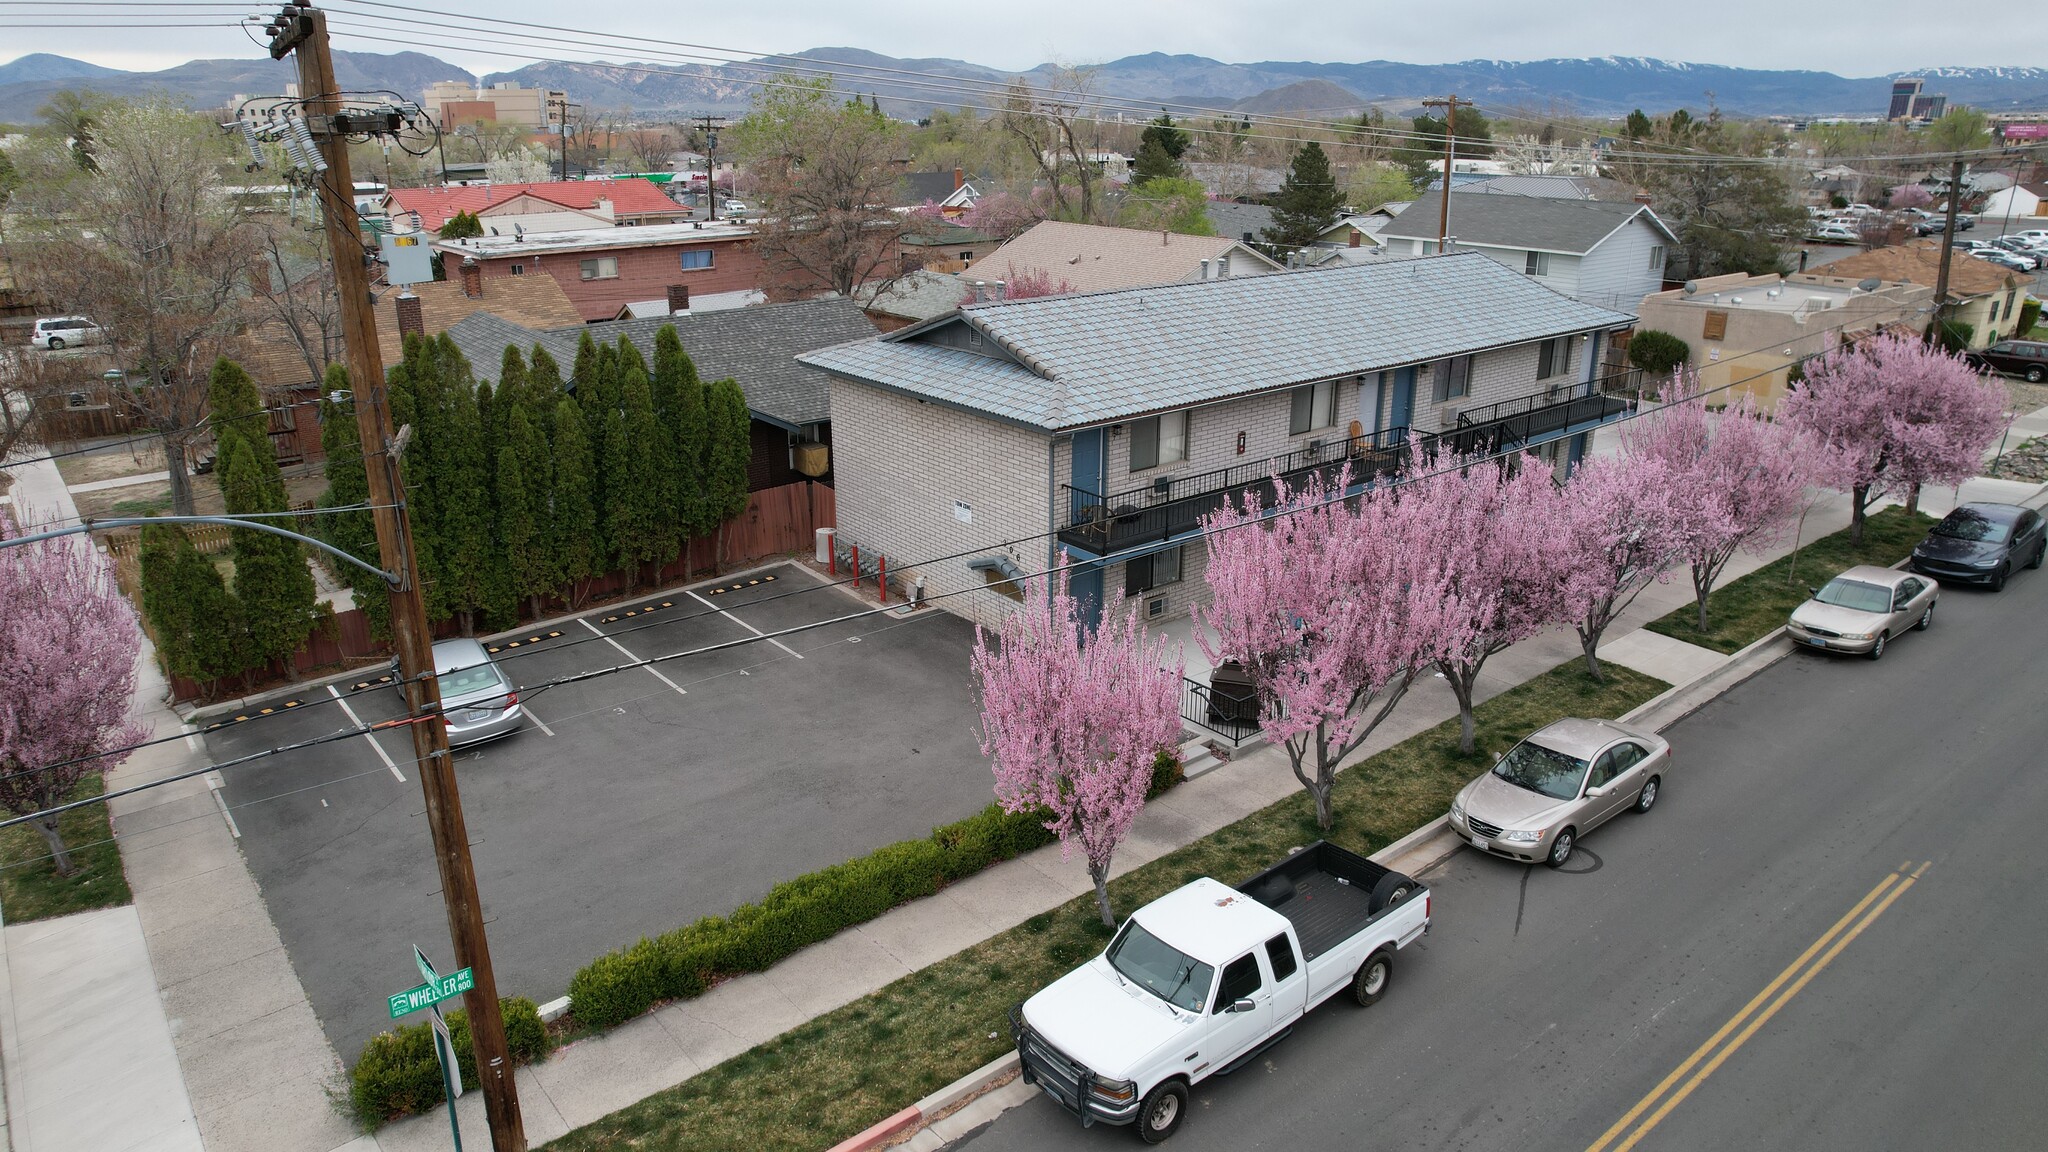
x=1228, y=714
x=1511, y=424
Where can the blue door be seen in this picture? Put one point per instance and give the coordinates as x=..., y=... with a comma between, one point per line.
x=1404, y=400
x=1087, y=474
x=1084, y=584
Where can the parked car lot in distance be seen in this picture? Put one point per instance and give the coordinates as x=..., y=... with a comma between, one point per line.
x=1982, y=543
x=1860, y=611
x=1558, y=784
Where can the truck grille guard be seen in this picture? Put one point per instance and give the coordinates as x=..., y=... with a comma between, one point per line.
x=1041, y=1063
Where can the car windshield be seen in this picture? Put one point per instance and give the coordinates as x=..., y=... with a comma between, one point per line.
x=1963, y=524
x=463, y=681
x=1855, y=594
x=1160, y=968
x=1546, y=770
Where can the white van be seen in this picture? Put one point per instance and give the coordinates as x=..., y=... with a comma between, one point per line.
x=55, y=332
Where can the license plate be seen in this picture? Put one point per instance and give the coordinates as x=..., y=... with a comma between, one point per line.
x=1479, y=843
x=474, y=715
x=1816, y=641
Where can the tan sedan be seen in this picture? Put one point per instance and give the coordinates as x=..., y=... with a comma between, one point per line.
x=1557, y=785
x=1861, y=609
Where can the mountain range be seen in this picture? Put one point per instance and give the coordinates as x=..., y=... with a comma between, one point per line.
x=1610, y=85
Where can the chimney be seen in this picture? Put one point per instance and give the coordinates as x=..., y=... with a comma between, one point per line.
x=1356, y=236
x=959, y=178
x=678, y=299
x=410, y=322
x=1643, y=198
x=472, y=278
x=1002, y=291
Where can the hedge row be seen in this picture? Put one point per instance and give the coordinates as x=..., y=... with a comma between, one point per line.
x=682, y=963
x=398, y=1074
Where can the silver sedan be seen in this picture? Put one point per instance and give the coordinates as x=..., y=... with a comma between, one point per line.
x=1862, y=609
x=1557, y=785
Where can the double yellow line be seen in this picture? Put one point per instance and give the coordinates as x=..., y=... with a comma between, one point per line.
x=1833, y=940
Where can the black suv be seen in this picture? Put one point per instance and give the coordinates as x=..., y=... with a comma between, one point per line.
x=2028, y=358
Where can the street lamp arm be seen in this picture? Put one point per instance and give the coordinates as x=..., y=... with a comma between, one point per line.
x=230, y=521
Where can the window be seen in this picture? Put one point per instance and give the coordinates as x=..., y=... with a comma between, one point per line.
x=1538, y=264
x=1553, y=357
x=1240, y=979
x=1716, y=326
x=696, y=259
x=1605, y=769
x=1158, y=440
x=1315, y=406
x=1451, y=379
x=519, y=269
x=1280, y=954
x=967, y=257
x=1656, y=257
x=1148, y=572
x=1429, y=247
x=601, y=268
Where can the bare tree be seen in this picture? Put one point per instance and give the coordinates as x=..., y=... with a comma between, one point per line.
x=292, y=291
x=150, y=246
x=1048, y=123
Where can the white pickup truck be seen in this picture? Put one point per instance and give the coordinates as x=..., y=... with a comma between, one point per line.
x=1204, y=978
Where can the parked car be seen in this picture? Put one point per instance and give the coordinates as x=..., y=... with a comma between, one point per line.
x=2004, y=259
x=477, y=699
x=56, y=332
x=1931, y=226
x=1981, y=543
x=1200, y=981
x=1862, y=609
x=1835, y=234
x=1558, y=784
x=2028, y=358
x=734, y=207
x=2017, y=249
x=2032, y=235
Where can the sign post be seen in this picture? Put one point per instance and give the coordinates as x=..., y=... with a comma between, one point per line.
x=429, y=996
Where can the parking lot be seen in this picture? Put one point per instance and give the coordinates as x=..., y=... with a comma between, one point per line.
x=631, y=803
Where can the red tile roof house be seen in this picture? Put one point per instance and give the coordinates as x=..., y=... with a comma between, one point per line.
x=704, y=265
x=536, y=207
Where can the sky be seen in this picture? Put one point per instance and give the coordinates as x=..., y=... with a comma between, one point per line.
x=1879, y=37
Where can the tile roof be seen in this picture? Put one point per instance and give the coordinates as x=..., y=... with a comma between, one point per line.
x=630, y=197
x=919, y=295
x=1089, y=359
x=756, y=346
x=529, y=301
x=1092, y=258
x=1919, y=262
x=1542, y=223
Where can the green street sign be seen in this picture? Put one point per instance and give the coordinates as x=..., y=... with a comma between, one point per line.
x=432, y=992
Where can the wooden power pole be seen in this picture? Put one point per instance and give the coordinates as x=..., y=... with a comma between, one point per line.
x=1450, y=106
x=304, y=32
x=1948, y=246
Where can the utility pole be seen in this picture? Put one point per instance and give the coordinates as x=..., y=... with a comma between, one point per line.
x=1948, y=246
x=710, y=126
x=561, y=105
x=302, y=30
x=1450, y=106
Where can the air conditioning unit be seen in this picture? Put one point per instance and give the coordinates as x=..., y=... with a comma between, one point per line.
x=1162, y=484
x=1450, y=415
x=1155, y=607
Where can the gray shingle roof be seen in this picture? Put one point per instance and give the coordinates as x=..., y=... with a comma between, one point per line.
x=1106, y=356
x=1234, y=220
x=755, y=346
x=919, y=295
x=1541, y=223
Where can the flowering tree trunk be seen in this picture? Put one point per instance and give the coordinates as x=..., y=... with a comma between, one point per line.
x=1620, y=531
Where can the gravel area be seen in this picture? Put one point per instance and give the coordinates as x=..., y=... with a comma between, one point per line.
x=2027, y=397
x=2027, y=462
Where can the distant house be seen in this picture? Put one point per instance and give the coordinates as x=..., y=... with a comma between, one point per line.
x=2022, y=203
x=1114, y=166
x=1982, y=295
x=1542, y=186
x=911, y=298
x=1239, y=221
x=942, y=247
x=1093, y=258
x=1105, y=425
x=1592, y=250
x=553, y=206
x=952, y=191
x=604, y=270
x=758, y=347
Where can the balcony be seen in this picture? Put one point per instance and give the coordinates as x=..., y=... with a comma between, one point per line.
x=1098, y=524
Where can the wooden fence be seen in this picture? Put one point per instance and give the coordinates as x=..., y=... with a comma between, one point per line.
x=777, y=522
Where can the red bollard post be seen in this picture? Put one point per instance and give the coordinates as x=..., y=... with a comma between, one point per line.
x=882, y=579
x=856, y=567
x=832, y=558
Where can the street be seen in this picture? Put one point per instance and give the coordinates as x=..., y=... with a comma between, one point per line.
x=1827, y=935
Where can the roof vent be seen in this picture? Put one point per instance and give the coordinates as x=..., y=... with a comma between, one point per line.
x=1774, y=293
x=1691, y=286
x=1735, y=299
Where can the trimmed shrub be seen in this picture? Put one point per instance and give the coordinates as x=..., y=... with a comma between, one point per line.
x=1953, y=336
x=1657, y=353
x=398, y=1075
x=2030, y=315
x=1166, y=772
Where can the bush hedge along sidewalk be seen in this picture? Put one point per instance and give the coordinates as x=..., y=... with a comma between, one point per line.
x=398, y=1074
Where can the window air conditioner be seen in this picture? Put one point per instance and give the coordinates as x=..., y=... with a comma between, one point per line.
x=1155, y=607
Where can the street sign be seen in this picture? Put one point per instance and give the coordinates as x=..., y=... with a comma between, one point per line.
x=432, y=992
x=420, y=961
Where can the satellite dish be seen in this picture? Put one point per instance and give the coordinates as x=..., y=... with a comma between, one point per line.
x=1691, y=286
x=1871, y=284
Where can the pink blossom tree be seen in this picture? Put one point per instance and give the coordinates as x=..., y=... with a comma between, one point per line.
x=1502, y=526
x=1620, y=529
x=1003, y=216
x=1899, y=413
x=1333, y=607
x=1022, y=284
x=1074, y=722
x=1738, y=481
x=1909, y=196
x=67, y=670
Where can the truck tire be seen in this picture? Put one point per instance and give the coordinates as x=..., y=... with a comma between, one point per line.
x=1391, y=890
x=1162, y=1111
x=1372, y=979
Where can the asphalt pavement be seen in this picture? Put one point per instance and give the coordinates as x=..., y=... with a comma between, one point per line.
x=1827, y=935
x=651, y=798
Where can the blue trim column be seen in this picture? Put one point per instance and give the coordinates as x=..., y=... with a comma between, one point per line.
x=1084, y=583
x=1576, y=452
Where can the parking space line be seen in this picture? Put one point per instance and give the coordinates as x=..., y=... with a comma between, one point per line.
x=744, y=624
x=629, y=655
x=370, y=736
x=528, y=709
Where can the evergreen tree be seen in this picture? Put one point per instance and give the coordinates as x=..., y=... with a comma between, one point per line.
x=195, y=620
x=728, y=450
x=512, y=381
x=236, y=408
x=1638, y=126
x=416, y=400
x=1308, y=201
x=1159, y=152
x=524, y=474
x=353, y=532
x=642, y=530
x=543, y=391
x=679, y=402
x=272, y=583
x=597, y=396
x=572, y=523
x=463, y=477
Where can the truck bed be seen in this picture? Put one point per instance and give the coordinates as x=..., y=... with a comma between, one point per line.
x=1325, y=891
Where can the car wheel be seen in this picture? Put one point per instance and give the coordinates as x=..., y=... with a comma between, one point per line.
x=1926, y=619
x=2035, y=374
x=2040, y=550
x=1373, y=977
x=1877, y=649
x=1998, y=578
x=1391, y=890
x=1648, y=796
x=1561, y=848
x=56, y=345
x=1162, y=1111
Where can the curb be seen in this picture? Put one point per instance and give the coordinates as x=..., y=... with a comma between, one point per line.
x=930, y=1108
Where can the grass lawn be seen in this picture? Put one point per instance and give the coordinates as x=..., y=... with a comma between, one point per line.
x=30, y=888
x=843, y=1071
x=1742, y=611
